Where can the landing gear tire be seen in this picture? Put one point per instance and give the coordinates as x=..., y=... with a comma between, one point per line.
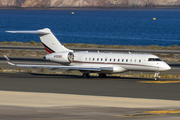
x=86, y=75
x=156, y=78
x=102, y=75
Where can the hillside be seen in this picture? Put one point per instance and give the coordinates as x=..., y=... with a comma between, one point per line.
x=88, y=3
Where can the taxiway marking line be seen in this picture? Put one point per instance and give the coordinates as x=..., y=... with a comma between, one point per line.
x=162, y=82
x=151, y=113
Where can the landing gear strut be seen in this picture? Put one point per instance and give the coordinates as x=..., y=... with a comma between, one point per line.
x=101, y=75
x=156, y=77
x=86, y=75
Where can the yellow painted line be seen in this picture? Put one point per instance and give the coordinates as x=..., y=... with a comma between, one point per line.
x=151, y=113
x=162, y=82
x=137, y=115
x=162, y=111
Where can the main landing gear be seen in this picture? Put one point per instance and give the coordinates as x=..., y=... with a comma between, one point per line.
x=87, y=75
x=101, y=75
x=156, y=77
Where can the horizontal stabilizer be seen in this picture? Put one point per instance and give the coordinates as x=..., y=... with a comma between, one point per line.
x=31, y=31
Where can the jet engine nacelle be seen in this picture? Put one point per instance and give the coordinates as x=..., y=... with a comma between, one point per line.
x=61, y=57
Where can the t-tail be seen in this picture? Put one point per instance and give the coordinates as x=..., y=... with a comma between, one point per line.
x=50, y=42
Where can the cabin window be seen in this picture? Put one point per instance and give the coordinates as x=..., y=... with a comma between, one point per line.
x=85, y=58
x=118, y=60
x=114, y=60
x=109, y=59
x=101, y=59
x=139, y=60
x=158, y=59
x=105, y=59
x=154, y=59
x=126, y=60
x=89, y=59
x=122, y=60
x=131, y=60
x=135, y=60
x=97, y=59
x=93, y=59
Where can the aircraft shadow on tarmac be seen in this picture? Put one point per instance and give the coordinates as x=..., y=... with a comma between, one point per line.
x=92, y=77
x=64, y=76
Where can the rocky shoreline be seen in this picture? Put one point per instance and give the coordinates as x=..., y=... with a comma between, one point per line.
x=92, y=8
x=88, y=3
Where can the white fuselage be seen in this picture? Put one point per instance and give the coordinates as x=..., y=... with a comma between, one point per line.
x=120, y=62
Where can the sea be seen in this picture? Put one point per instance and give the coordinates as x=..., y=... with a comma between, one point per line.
x=151, y=26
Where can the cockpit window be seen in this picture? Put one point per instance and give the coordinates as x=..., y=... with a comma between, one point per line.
x=154, y=59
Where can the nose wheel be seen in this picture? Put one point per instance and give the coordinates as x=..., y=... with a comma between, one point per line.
x=156, y=77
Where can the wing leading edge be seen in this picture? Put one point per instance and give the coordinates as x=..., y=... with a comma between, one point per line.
x=62, y=67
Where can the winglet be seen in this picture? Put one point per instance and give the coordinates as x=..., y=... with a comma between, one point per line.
x=9, y=62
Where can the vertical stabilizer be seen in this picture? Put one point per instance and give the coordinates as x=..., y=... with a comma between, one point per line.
x=50, y=42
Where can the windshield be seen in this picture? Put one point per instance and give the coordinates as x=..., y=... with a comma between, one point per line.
x=154, y=59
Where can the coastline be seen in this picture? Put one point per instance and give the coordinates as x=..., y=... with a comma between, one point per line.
x=93, y=8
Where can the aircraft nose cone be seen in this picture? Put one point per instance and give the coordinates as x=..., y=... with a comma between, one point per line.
x=164, y=67
x=168, y=67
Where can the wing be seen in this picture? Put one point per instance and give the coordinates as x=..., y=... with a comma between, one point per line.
x=110, y=69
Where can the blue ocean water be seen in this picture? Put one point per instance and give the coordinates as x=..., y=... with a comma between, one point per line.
x=122, y=27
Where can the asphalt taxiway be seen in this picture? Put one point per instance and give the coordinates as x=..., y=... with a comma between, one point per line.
x=47, y=96
x=51, y=96
x=71, y=84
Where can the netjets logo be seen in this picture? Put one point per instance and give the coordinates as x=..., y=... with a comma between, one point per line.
x=57, y=56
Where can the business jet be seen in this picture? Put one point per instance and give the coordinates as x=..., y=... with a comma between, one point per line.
x=93, y=62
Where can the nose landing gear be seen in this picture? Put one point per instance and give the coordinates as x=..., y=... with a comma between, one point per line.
x=156, y=77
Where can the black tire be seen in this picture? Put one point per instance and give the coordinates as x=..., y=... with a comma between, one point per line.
x=101, y=75
x=104, y=75
x=156, y=78
x=86, y=75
